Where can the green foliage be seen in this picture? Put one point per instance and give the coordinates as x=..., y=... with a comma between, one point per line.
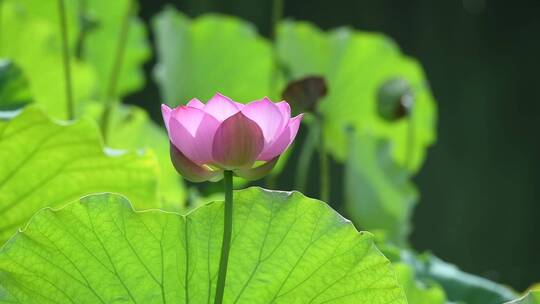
x=417, y=291
x=48, y=164
x=100, y=45
x=31, y=39
x=213, y=53
x=132, y=128
x=190, y=66
x=93, y=28
x=379, y=154
x=458, y=285
x=93, y=32
x=424, y=276
x=378, y=194
x=14, y=91
x=356, y=64
x=532, y=297
x=286, y=248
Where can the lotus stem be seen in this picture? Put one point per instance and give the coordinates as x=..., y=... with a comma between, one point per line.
x=227, y=234
x=83, y=29
x=1, y=25
x=323, y=164
x=277, y=14
x=304, y=159
x=70, y=108
x=115, y=71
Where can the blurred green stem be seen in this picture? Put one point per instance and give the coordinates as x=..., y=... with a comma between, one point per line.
x=277, y=14
x=83, y=28
x=227, y=234
x=70, y=109
x=110, y=98
x=304, y=159
x=323, y=163
x=1, y=25
x=271, y=180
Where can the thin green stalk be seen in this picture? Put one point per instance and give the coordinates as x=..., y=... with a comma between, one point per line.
x=110, y=93
x=227, y=234
x=277, y=14
x=304, y=160
x=271, y=180
x=70, y=109
x=1, y=25
x=83, y=28
x=323, y=164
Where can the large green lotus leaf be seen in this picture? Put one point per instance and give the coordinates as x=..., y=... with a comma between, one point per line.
x=286, y=248
x=356, y=64
x=418, y=292
x=132, y=128
x=458, y=285
x=101, y=42
x=209, y=54
x=532, y=297
x=31, y=39
x=379, y=195
x=48, y=164
x=14, y=87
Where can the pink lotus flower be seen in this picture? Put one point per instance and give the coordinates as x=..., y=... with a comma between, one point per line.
x=227, y=135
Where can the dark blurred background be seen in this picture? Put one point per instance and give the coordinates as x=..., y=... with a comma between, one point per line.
x=480, y=200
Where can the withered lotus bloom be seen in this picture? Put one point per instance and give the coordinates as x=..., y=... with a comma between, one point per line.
x=222, y=134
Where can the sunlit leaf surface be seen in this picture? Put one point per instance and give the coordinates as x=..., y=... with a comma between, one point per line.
x=132, y=128
x=213, y=53
x=356, y=64
x=49, y=164
x=286, y=248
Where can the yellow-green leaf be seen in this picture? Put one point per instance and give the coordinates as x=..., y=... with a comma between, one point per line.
x=45, y=163
x=286, y=248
